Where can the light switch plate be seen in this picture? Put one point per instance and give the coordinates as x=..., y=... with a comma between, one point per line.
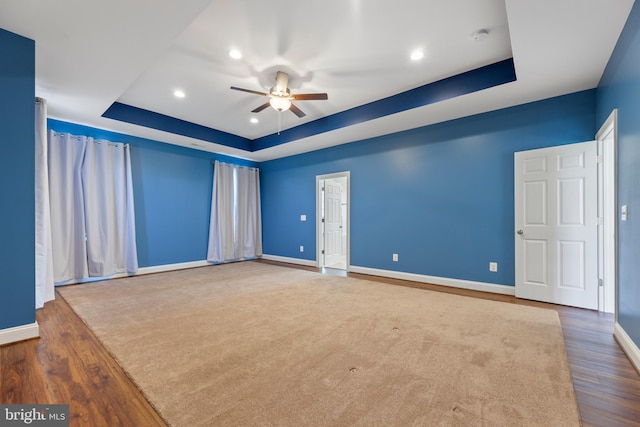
x=303, y=217
x=623, y=213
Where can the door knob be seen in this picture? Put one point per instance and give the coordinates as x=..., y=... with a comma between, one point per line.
x=520, y=232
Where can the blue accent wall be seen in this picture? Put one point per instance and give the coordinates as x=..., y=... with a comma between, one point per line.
x=17, y=180
x=440, y=196
x=620, y=88
x=172, y=195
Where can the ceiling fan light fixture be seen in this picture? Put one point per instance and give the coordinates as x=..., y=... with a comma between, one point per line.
x=280, y=104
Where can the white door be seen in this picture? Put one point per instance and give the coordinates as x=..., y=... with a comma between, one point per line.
x=556, y=225
x=333, y=224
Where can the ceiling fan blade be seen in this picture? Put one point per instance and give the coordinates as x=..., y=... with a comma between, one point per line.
x=310, y=96
x=295, y=110
x=249, y=90
x=260, y=108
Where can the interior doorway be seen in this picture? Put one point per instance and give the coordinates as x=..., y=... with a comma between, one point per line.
x=333, y=221
x=534, y=253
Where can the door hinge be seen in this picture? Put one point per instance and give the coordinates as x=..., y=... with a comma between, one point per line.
x=322, y=219
x=323, y=252
x=600, y=283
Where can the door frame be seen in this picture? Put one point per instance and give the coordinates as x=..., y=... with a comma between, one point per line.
x=319, y=213
x=607, y=214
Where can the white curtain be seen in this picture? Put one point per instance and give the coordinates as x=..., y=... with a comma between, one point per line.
x=235, y=231
x=249, y=224
x=66, y=153
x=108, y=209
x=221, y=229
x=44, y=253
x=92, y=212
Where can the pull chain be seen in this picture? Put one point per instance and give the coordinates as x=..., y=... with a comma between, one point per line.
x=279, y=121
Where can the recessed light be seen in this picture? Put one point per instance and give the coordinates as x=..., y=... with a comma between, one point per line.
x=254, y=120
x=417, y=55
x=178, y=93
x=235, y=54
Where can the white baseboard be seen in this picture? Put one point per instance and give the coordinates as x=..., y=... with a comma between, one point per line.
x=19, y=333
x=140, y=272
x=298, y=261
x=171, y=267
x=628, y=346
x=455, y=283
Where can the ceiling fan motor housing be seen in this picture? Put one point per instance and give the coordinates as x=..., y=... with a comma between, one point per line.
x=277, y=92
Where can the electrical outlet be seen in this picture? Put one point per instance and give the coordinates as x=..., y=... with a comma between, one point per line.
x=303, y=217
x=493, y=266
x=301, y=248
x=395, y=257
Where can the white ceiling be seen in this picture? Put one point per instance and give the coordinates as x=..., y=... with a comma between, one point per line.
x=90, y=54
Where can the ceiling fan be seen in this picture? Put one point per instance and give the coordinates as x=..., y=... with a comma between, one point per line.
x=281, y=96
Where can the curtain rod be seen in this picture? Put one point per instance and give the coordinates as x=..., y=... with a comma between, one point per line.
x=99, y=141
x=233, y=164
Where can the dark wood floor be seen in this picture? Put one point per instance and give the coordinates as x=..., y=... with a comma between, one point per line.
x=67, y=364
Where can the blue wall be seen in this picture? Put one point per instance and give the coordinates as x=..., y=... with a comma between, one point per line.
x=172, y=195
x=620, y=88
x=17, y=180
x=440, y=196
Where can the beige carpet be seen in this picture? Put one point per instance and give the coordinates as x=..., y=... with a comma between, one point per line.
x=255, y=344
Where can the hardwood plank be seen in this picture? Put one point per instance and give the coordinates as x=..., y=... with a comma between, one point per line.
x=598, y=409
x=18, y=362
x=68, y=364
